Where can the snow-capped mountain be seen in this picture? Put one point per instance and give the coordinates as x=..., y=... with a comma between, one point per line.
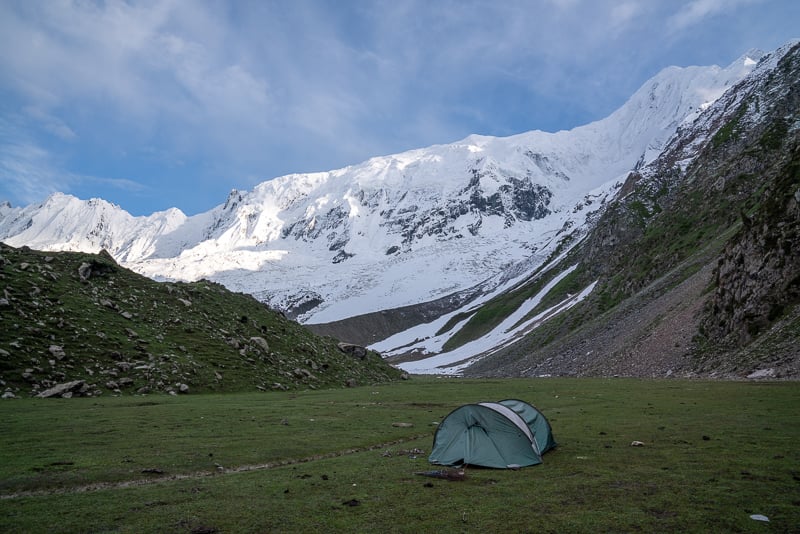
x=394, y=230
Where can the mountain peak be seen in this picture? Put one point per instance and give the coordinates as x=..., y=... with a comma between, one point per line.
x=749, y=58
x=362, y=238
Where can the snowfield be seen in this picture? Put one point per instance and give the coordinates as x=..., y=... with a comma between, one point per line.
x=402, y=229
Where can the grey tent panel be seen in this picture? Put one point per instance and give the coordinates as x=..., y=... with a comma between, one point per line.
x=542, y=432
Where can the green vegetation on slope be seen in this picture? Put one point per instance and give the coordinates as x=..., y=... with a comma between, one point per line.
x=714, y=454
x=492, y=313
x=72, y=317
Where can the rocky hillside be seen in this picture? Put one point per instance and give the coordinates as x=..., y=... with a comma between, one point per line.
x=697, y=262
x=79, y=324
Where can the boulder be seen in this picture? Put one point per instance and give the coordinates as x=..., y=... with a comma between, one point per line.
x=85, y=271
x=65, y=389
x=260, y=342
x=356, y=351
x=57, y=351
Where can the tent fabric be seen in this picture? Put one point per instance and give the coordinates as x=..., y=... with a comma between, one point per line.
x=536, y=421
x=514, y=417
x=509, y=433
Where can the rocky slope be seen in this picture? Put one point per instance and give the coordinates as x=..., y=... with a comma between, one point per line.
x=80, y=324
x=696, y=262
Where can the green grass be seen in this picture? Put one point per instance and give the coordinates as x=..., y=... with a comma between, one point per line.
x=731, y=129
x=715, y=452
x=493, y=312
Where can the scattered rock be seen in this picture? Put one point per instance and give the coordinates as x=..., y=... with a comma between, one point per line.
x=85, y=271
x=260, y=342
x=762, y=373
x=183, y=388
x=403, y=425
x=57, y=351
x=356, y=351
x=302, y=373
x=66, y=388
x=637, y=444
x=351, y=383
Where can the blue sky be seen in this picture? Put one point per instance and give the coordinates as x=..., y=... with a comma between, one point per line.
x=173, y=103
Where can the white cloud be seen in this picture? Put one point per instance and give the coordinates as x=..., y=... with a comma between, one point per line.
x=252, y=89
x=27, y=172
x=696, y=11
x=147, y=64
x=624, y=13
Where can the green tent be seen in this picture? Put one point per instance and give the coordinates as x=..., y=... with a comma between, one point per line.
x=506, y=434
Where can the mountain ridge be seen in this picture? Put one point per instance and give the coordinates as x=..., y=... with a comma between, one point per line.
x=698, y=259
x=473, y=190
x=504, y=223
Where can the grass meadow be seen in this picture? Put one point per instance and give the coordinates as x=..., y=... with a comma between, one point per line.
x=714, y=454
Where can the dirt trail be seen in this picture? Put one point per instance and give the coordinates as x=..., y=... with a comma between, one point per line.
x=101, y=486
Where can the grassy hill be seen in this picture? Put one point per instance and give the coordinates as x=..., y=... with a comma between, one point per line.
x=83, y=322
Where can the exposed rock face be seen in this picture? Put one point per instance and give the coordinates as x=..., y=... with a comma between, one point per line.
x=518, y=198
x=758, y=275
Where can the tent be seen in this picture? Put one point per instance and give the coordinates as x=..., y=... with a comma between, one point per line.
x=506, y=434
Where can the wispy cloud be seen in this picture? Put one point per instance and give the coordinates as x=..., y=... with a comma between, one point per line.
x=50, y=123
x=29, y=171
x=696, y=11
x=230, y=93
